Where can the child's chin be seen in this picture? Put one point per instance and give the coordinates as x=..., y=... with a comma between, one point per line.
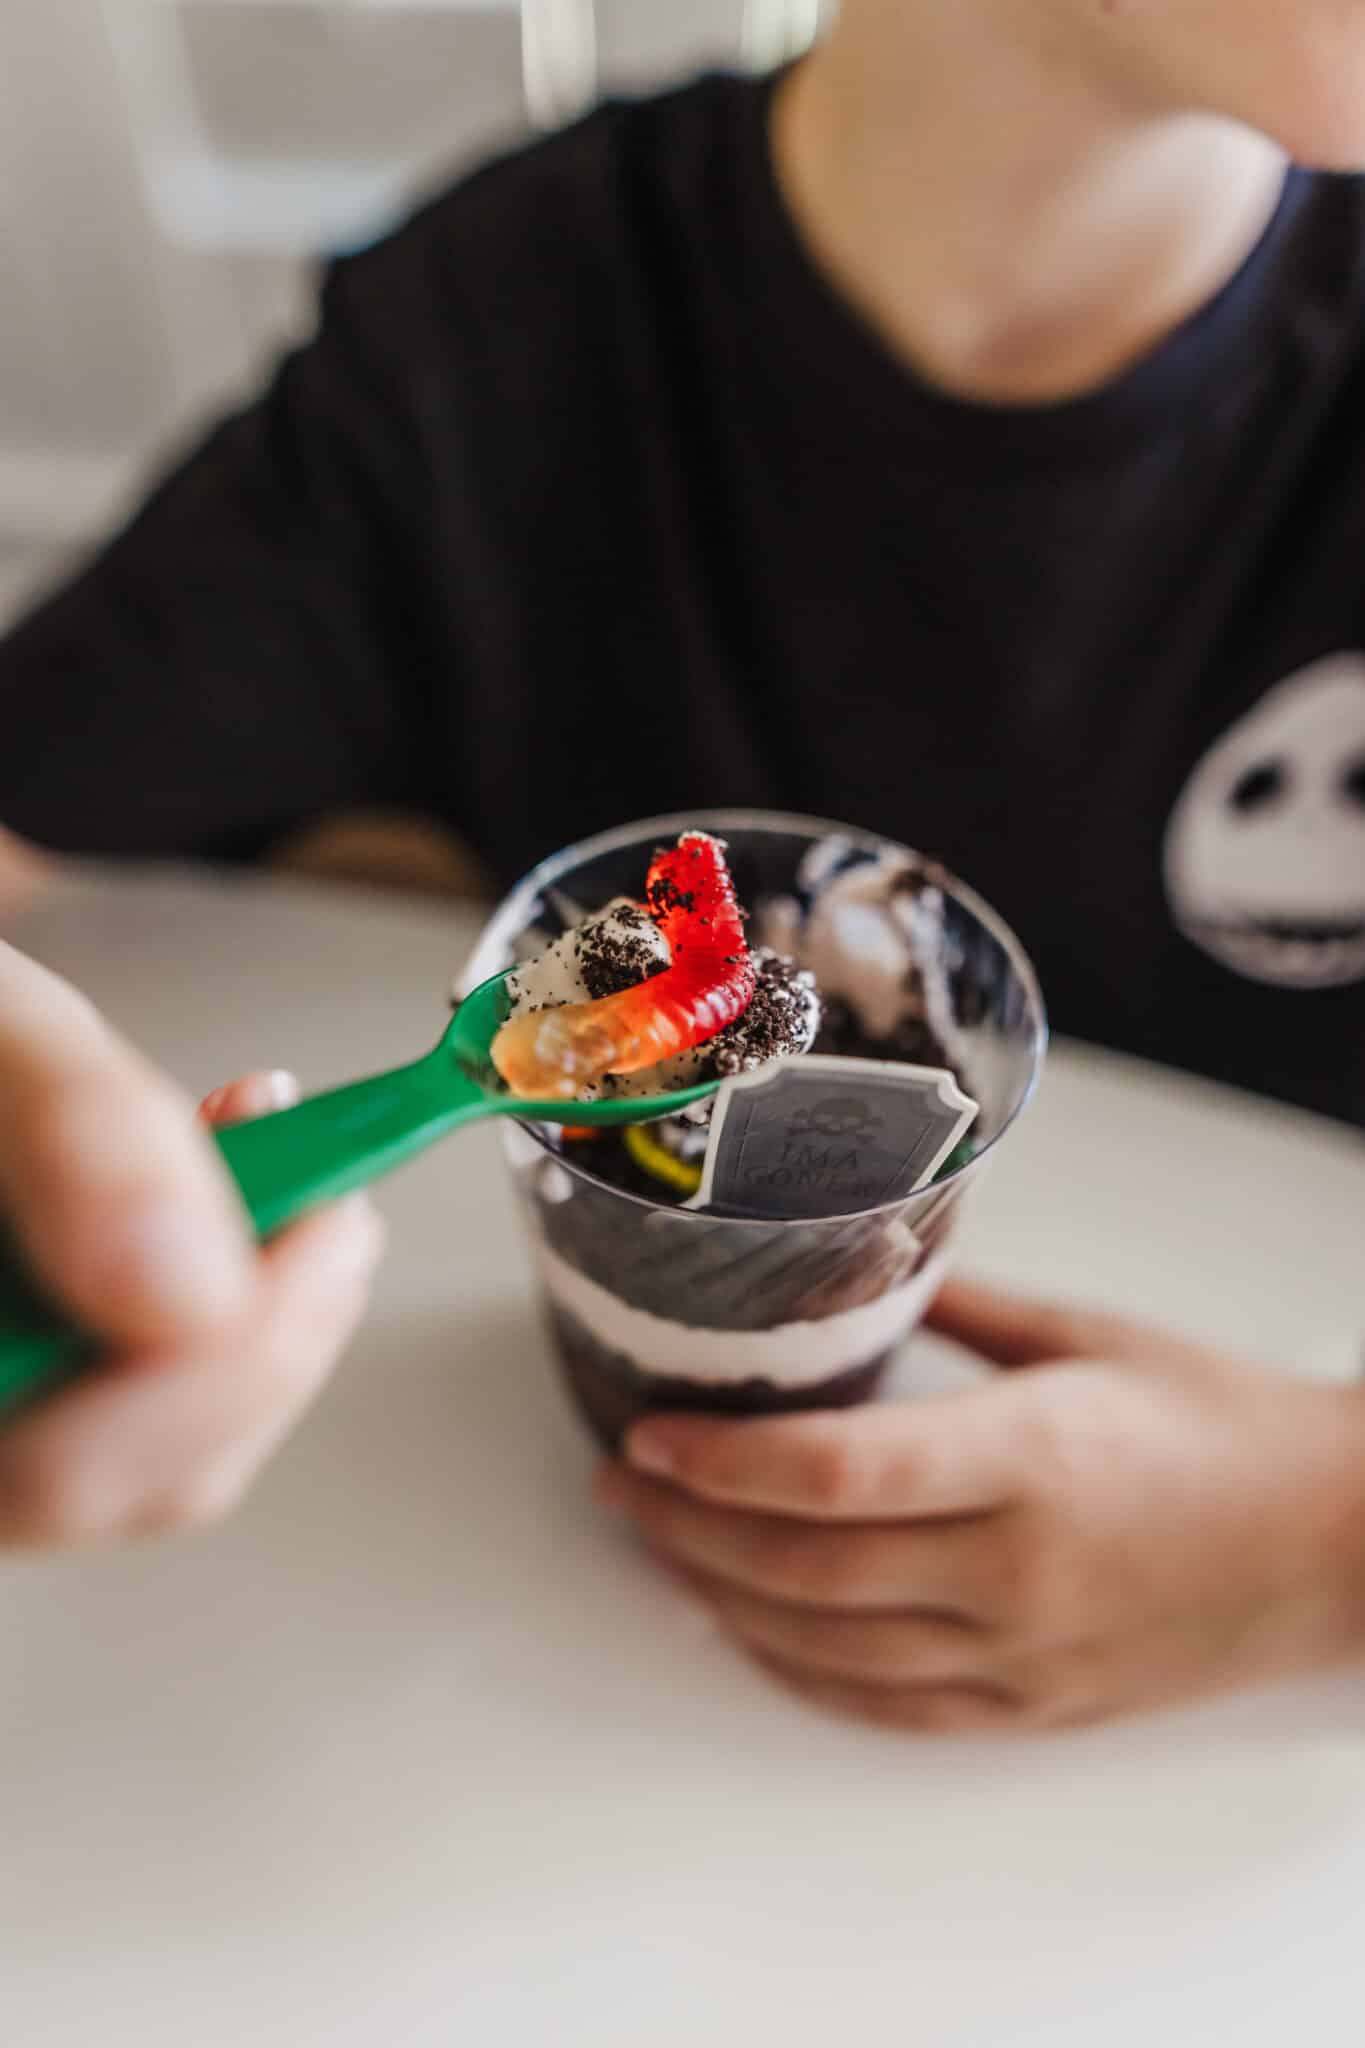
x=1343, y=154
x=1326, y=130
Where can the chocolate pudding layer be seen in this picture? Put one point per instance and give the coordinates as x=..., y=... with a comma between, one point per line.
x=611, y=1394
x=657, y=1308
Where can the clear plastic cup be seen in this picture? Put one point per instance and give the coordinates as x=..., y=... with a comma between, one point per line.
x=657, y=1307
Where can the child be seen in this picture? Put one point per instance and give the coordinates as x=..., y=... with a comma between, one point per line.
x=957, y=434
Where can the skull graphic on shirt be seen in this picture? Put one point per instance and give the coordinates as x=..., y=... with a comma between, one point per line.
x=1265, y=849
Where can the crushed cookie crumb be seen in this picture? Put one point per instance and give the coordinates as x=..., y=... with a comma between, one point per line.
x=616, y=955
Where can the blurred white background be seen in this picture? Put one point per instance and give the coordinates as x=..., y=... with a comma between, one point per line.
x=170, y=170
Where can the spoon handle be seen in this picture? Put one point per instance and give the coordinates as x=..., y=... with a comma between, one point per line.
x=330, y=1144
x=282, y=1164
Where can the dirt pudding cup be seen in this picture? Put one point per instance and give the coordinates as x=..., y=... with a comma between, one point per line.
x=652, y=1305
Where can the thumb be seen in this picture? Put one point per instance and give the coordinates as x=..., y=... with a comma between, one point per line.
x=1016, y=1330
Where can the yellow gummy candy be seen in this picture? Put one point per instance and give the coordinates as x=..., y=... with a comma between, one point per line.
x=655, y=1158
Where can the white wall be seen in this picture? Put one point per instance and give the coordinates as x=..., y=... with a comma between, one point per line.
x=168, y=166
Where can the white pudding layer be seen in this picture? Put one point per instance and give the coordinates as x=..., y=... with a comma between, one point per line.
x=792, y=1355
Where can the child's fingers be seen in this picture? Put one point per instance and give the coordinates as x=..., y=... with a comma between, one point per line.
x=123, y=1208
x=956, y=1455
x=173, y=1437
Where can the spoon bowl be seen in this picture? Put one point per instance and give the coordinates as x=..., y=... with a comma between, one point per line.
x=469, y=1038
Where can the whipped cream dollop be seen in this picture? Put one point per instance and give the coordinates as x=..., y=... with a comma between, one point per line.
x=870, y=927
x=609, y=950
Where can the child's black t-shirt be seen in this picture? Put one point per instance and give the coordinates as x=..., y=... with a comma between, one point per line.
x=591, y=499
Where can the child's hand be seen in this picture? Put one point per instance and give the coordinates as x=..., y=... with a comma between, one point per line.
x=126, y=1211
x=1124, y=1520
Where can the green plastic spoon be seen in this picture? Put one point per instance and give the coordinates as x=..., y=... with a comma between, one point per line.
x=322, y=1148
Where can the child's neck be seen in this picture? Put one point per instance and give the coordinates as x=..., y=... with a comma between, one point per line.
x=1017, y=227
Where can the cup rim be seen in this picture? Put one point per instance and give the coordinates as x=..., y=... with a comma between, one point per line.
x=734, y=818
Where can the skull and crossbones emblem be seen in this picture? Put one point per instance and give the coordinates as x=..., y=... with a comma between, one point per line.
x=845, y=1117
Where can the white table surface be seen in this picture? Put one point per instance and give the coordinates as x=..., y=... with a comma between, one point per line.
x=415, y=1750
